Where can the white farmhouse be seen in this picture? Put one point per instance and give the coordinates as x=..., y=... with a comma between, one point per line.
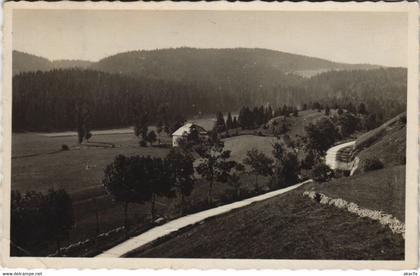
x=184, y=131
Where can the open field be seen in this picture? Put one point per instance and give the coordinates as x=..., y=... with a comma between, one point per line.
x=288, y=226
x=297, y=124
x=240, y=145
x=77, y=169
x=29, y=144
x=94, y=132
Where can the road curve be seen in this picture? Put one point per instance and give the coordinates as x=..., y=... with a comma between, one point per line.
x=175, y=225
x=339, y=157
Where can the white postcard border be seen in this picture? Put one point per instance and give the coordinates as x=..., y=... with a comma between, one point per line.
x=411, y=238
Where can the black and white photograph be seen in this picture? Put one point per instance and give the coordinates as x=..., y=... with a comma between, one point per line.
x=151, y=133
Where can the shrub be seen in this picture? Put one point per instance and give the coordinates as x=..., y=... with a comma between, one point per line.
x=372, y=164
x=341, y=173
x=65, y=147
x=309, y=160
x=321, y=173
x=260, y=133
x=143, y=143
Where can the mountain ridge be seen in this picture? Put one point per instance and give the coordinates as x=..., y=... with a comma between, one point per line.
x=25, y=62
x=162, y=63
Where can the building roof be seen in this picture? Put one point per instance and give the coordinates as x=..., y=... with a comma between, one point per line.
x=187, y=129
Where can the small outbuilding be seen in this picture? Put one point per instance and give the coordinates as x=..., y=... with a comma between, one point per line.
x=185, y=130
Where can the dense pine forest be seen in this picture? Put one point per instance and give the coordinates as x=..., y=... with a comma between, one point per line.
x=166, y=87
x=111, y=99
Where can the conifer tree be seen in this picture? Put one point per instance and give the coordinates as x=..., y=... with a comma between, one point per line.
x=229, y=122
x=327, y=111
x=220, y=124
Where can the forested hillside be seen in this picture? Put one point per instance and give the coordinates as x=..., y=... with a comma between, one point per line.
x=51, y=100
x=113, y=100
x=23, y=62
x=218, y=66
x=226, y=67
x=383, y=90
x=187, y=82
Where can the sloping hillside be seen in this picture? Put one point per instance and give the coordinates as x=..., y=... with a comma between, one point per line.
x=382, y=190
x=387, y=143
x=217, y=65
x=376, y=189
x=23, y=62
x=291, y=226
x=288, y=226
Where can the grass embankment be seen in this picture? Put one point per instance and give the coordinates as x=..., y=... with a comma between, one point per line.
x=387, y=143
x=382, y=190
x=286, y=227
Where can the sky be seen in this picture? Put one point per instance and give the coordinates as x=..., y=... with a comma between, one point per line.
x=354, y=37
